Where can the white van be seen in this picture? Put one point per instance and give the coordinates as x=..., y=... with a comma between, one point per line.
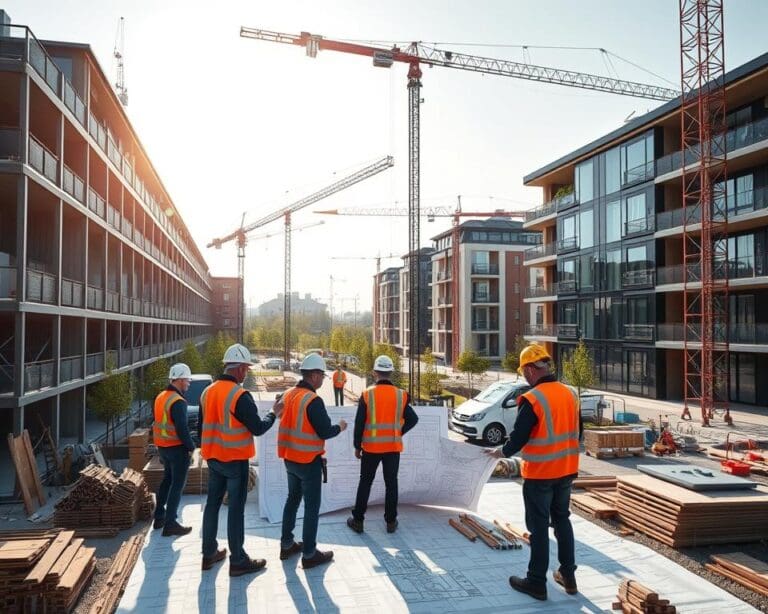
x=491, y=415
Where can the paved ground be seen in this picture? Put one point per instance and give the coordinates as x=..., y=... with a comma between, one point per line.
x=425, y=567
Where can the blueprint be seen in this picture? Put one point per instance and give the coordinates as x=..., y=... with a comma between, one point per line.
x=434, y=470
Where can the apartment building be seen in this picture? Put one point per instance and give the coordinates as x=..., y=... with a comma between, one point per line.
x=488, y=293
x=425, y=302
x=97, y=267
x=227, y=300
x=387, y=324
x=610, y=269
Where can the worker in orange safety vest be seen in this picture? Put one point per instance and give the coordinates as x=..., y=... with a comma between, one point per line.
x=384, y=415
x=547, y=431
x=339, y=381
x=170, y=433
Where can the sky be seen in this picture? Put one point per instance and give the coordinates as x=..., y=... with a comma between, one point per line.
x=237, y=126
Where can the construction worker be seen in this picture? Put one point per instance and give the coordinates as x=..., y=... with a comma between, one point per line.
x=339, y=381
x=384, y=415
x=229, y=421
x=170, y=433
x=547, y=430
x=304, y=427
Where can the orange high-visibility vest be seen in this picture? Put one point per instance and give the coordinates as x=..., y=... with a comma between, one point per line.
x=339, y=379
x=297, y=440
x=383, y=431
x=222, y=436
x=164, y=430
x=553, y=448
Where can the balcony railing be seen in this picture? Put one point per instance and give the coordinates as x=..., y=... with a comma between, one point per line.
x=678, y=274
x=485, y=297
x=636, y=278
x=484, y=269
x=42, y=160
x=39, y=375
x=7, y=282
x=71, y=293
x=567, y=286
x=542, y=211
x=639, y=173
x=73, y=185
x=483, y=325
x=73, y=102
x=113, y=301
x=639, y=332
x=112, y=358
x=96, y=203
x=748, y=333
x=679, y=332
x=545, y=249
x=565, y=201
x=9, y=143
x=568, y=244
x=568, y=331
x=70, y=368
x=541, y=330
x=539, y=291
x=95, y=297
x=640, y=225
x=41, y=287
x=678, y=217
x=94, y=363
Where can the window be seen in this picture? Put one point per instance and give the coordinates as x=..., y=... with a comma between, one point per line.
x=613, y=269
x=638, y=372
x=225, y=297
x=584, y=182
x=517, y=314
x=587, y=319
x=614, y=313
x=634, y=207
x=612, y=171
x=637, y=270
x=567, y=275
x=613, y=221
x=517, y=288
x=586, y=273
x=586, y=229
x=637, y=160
x=567, y=233
x=539, y=315
x=568, y=313
x=517, y=260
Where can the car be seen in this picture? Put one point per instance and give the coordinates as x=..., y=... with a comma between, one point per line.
x=274, y=364
x=490, y=415
x=198, y=383
x=592, y=406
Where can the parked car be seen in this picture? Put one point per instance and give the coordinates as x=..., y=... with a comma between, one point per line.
x=491, y=415
x=592, y=406
x=200, y=381
x=274, y=364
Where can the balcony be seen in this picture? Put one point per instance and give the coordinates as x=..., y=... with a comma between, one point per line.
x=638, y=174
x=638, y=226
x=568, y=244
x=545, y=249
x=539, y=212
x=41, y=287
x=568, y=331
x=73, y=102
x=9, y=143
x=39, y=375
x=748, y=333
x=73, y=185
x=96, y=203
x=637, y=278
x=42, y=160
x=485, y=325
x=485, y=297
x=71, y=293
x=484, y=269
x=94, y=297
x=565, y=201
x=94, y=363
x=567, y=286
x=70, y=368
x=541, y=330
x=678, y=332
x=113, y=301
x=7, y=282
x=540, y=291
x=678, y=217
x=639, y=332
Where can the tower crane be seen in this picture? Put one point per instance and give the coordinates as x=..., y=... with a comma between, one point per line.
x=118, y=53
x=240, y=236
x=415, y=55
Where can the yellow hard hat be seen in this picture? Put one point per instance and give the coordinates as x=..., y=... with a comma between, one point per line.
x=532, y=353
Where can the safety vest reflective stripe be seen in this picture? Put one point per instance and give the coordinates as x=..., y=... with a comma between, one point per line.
x=571, y=450
x=339, y=379
x=383, y=432
x=296, y=438
x=209, y=430
x=313, y=442
x=223, y=436
x=551, y=437
x=164, y=430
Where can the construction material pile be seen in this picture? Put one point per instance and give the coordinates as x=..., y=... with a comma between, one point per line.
x=614, y=444
x=197, y=478
x=43, y=571
x=117, y=576
x=634, y=598
x=742, y=569
x=493, y=535
x=600, y=498
x=277, y=384
x=680, y=517
x=138, y=441
x=101, y=498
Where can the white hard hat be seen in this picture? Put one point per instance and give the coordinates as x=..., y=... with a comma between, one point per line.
x=312, y=362
x=179, y=371
x=237, y=354
x=383, y=363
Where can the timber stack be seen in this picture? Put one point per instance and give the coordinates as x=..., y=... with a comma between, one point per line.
x=138, y=442
x=614, y=444
x=634, y=598
x=197, y=478
x=101, y=498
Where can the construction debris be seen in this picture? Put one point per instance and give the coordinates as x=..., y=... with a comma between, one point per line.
x=27, y=474
x=634, y=598
x=101, y=498
x=614, y=444
x=117, y=577
x=742, y=569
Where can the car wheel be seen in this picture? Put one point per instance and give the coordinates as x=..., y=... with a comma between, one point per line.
x=494, y=434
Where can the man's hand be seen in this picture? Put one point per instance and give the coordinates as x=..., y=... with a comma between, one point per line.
x=494, y=452
x=343, y=425
x=278, y=408
x=358, y=453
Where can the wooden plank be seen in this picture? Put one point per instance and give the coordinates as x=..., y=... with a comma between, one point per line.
x=38, y=485
x=21, y=476
x=43, y=566
x=735, y=577
x=76, y=568
x=61, y=564
x=743, y=564
x=683, y=496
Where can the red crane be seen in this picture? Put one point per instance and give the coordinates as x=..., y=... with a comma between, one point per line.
x=415, y=55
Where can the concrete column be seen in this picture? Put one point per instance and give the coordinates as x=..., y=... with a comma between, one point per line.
x=24, y=119
x=55, y=418
x=56, y=347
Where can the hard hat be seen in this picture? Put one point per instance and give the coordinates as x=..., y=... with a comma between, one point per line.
x=384, y=364
x=179, y=371
x=312, y=362
x=532, y=353
x=237, y=354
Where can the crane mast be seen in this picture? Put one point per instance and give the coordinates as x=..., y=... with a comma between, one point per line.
x=118, y=53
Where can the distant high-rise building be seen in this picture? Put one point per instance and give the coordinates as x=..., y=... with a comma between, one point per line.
x=305, y=305
x=227, y=305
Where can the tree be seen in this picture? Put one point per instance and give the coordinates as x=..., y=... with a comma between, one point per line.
x=511, y=361
x=111, y=397
x=214, y=352
x=155, y=380
x=430, y=379
x=472, y=363
x=190, y=356
x=579, y=368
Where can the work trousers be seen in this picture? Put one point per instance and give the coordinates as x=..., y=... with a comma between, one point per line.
x=369, y=463
x=175, y=468
x=304, y=481
x=547, y=500
x=230, y=477
x=338, y=396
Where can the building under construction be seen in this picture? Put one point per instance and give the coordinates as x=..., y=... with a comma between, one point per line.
x=612, y=268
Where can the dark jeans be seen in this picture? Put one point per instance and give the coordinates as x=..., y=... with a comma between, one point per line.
x=232, y=478
x=175, y=467
x=545, y=500
x=304, y=480
x=369, y=463
x=338, y=396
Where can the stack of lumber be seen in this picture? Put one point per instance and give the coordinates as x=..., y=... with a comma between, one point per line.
x=595, y=481
x=494, y=535
x=197, y=478
x=27, y=474
x=680, y=517
x=274, y=384
x=600, y=498
x=634, y=598
x=742, y=569
x=137, y=449
x=101, y=498
x=608, y=444
x=44, y=574
x=117, y=576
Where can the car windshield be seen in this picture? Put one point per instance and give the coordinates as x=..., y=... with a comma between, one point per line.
x=196, y=388
x=494, y=393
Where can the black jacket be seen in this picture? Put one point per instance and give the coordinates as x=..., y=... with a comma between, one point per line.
x=247, y=412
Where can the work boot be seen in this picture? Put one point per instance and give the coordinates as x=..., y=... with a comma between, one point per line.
x=174, y=528
x=159, y=523
x=392, y=526
x=219, y=556
x=354, y=524
x=250, y=566
x=294, y=548
x=567, y=582
x=524, y=585
x=319, y=558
